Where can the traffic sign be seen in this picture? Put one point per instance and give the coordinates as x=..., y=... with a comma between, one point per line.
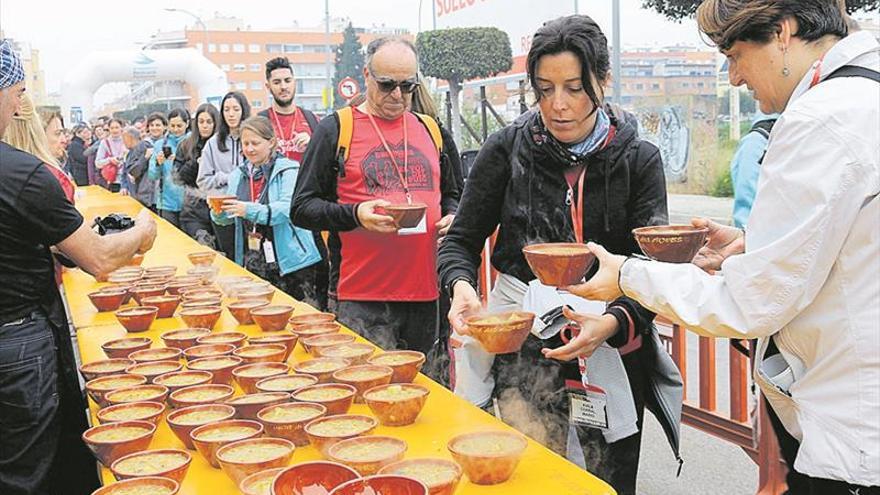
x=348, y=88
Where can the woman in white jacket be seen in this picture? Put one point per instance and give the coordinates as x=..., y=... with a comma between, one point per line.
x=805, y=278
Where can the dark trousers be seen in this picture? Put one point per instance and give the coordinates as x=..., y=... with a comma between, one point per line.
x=308, y=284
x=171, y=216
x=224, y=235
x=392, y=325
x=195, y=220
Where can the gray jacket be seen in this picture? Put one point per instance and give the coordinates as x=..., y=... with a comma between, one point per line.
x=215, y=165
x=136, y=164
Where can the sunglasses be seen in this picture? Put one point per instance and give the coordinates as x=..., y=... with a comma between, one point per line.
x=387, y=85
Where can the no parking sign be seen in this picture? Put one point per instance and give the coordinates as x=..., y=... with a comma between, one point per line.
x=348, y=88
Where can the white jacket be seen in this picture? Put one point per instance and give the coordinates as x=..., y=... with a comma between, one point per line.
x=810, y=276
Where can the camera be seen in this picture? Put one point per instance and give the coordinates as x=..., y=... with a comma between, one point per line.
x=112, y=224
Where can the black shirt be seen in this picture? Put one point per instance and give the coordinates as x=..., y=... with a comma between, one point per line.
x=34, y=214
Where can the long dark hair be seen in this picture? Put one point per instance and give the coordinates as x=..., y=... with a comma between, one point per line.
x=192, y=146
x=223, y=129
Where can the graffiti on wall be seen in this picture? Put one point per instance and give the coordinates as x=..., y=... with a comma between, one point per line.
x=666, y=128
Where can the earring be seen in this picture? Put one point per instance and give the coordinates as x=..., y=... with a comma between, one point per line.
x=785, y=70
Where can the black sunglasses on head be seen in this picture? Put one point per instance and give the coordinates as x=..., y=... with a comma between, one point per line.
x=387, y=85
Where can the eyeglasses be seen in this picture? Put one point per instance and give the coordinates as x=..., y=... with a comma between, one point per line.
x=387, y=85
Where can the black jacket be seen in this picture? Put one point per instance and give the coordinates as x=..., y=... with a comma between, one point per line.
x=518, y=185
x=77, y=161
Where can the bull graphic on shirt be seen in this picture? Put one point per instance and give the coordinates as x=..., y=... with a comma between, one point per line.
x=381, y=177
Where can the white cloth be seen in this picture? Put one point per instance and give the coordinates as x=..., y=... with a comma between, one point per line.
x=810, y=277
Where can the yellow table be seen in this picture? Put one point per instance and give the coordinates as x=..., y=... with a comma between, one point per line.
x=445, y=415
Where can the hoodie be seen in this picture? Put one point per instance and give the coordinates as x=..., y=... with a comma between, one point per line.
x=215, y=165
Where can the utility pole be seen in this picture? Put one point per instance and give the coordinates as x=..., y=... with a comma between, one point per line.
x=328, y=91
x=434, y=15
x=615, y=16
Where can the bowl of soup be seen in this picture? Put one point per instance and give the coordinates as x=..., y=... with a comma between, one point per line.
x=271, y=318
x=175, y=287
x=396, y=404
x=559, y=264
x=312, y=478
x=405, y=364
x=336, y=397
x=406, y=215
x=154, y=369
x=235, y=339
x=114, y=440
x=138, y=318
x=671, y=243
x=441, y=476
x=207, y=350
x=321, y=368
x=121, y=348
x=364, y=377
x=183, y=421
x=311, y=319
x=220, y=366
x=247, y=406
x=488, y=457
x=259, y=483
x=262, y=353
x=324, y=432
x=316, y=343
x=138, y=393
x=108, y=299
x=160, y=270
x=307, y=330
x=167, y=463
x=286, y=383
x=150, y=485
x=254, y=292
x=288, y=420
x=287, y=339
x=199, y=394
x=501, y=333
x=201, y=294
x=246, y=457
x=356, y=352
x=183, y=338
x=248, y=375
x=104, y=367
x=210, y=437
x=167, y=304
x=177, y=380
x=382, y=484
x=215, y=201
x=241, y=310
x=150, y=412
x=158, y=354
x=98, y=388
x=367, y=455
x=142, y=292
x=202, y=258
x=201, y=317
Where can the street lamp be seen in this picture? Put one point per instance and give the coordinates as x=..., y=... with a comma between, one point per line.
x=198, y=21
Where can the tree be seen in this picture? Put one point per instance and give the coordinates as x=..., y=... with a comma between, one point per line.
x=460, y=54
x=679, y=9
x=349, y=61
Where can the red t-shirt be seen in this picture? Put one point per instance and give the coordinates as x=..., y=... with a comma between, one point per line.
x=286, y=128
x=390, y=267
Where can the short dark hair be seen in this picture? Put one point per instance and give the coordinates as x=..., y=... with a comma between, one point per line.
x=157, y=116
x=580, y=35
x=181, y=113
x=117, y=120
x=223, y=129
x=277, y=63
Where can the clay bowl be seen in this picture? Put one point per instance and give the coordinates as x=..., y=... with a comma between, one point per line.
x=121, y=348
x=154, y=369
x=315, y=344
x=559, y=264
x=220, y=366
x=112, y=441
x=383, y=451
x=201, y=294
x=177, y=380
x=101, y=386
x=247, y=406
x=199, y=394
x=166, y=304
x=405, y=215
x=160, y=270
x=246, y=457
x=183, y=421
x=207, y=350
x=321, y=368
x=153, y=485
x=309, y=478
x=158, y=354
x=150, y=281
x=206, y=274
x=241, y=310
x=441, y=476
x=235, y=339
x=501, y=333
x=397, y=404
x=138, y=318
x=128, y=269
x=226, y=282
x=126, y=287
x=264, y=353
x=272, y=318
x=289, y=420
x=210, y=437
x=175, y=287
x=133, y=465
x=201, y=317
x=142, y=292
x=312, y=318
x=108, y=299
x=184, y=338
x=256, y=294
x=124, y=278
x=201, y=303
x=259, y=483
x=356, y=352
x=382, y=484
x=202, y=258
x=314, y=329
x=406, y=364
x=216, y=202
x=287, y=339
x=671, y=243
x=336, y=397
x=324, y=432
x=106, y=367
x=488, y=457
x=286, y=383
x=364, y=377
x=150, y=412
x=138, y=393
x=248, y=375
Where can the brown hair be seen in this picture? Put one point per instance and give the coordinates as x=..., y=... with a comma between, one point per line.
x=727, y=21
x=259, y=126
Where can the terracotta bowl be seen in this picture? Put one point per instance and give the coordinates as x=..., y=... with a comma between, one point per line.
x=314, y=329
x=259, y=483
x=101, y=386
x=364, y=377
x=166, y=304
x=313, y=345
x=201, y=317
x=216, y=202
x=175, y=287
x=248, y=375
x=154, y=485
x=226, y=282
x=220, y=366
x=336, y=397
x=112, y=441
x=133, y=465
x=138, y=318
x=671, y=243
x=397, y=404
x=246, y=457
x=154, y=280
x=235, y=339
x=206, y=274
x=256, y=294
x=207, y=350
x=356, y=352
x=488, y=457
x=241, y=310
x=203, y=258
x=406, y=364
x=105, y=367
x=183, y=421
x=287, y=339
x=142, y=292
x=272, y=318
x=177, y=380
x=286, y=383
x=121, y=348
x=324, y=432
x=210, y=437
x=441, y=476
x=199, y=394
x=150, y=412
x=288, y=420
x=126, y=287
x=405, y=215
x=321, y=368
x=160, y=270
x=380, y=452
x=201, y=303
x=311, y=319
x=559, y=264
x=247, y=406
x=108, y=299
x=382, y=484
x=136, y=269
x=124, y=278
x=154, y=369
x=265, y=353
x=157, y=354
x=309, y=477
x=201, y=294
x=184, y=338
x=138, y=393
x=501, y=333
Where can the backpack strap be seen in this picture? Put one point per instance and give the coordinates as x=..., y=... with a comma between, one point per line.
x=310, y=118
x=763, y=127
x=343, y=144
x=854, y=71
x=433, y=130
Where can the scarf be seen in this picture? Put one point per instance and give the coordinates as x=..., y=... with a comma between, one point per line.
x=574, y=155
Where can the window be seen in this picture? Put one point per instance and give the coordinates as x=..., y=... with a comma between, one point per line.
x=273, y=48
x=655, y=86
x=256, y=85
x=640, y=86
x=241, y=86
x=224, y=48
x=256, y=67
x=212, y=48
x=238, y=48
x=254, y=48
x=257, y=103
x=288, y=48
x=225, y=67
x=240, y=67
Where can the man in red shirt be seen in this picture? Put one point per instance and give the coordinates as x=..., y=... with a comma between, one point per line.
x=386, y=276
x=293, y=125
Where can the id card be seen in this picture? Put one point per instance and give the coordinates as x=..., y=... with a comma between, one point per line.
x=421, y=228
x=587, y=406
x=269, y=251
x=253, y=241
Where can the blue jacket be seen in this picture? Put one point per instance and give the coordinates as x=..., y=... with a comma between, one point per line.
x=745, y=170
x=295, y=247
x=170, y=195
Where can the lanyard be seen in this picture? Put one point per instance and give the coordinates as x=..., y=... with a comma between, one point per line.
x=576, y=206
x=281, y=129
x=817, y=72
x=402, y=175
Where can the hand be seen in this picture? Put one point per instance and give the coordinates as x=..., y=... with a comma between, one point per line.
x=594, y=330
x=465, y=302
x=443, y=225
x=234, y=208
x=147, y=223
x=604, y=286
x=148, y=153
x=123, y=191
x=160, y=158
x=722, y=242
x=372, y=221
x=301, y=141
